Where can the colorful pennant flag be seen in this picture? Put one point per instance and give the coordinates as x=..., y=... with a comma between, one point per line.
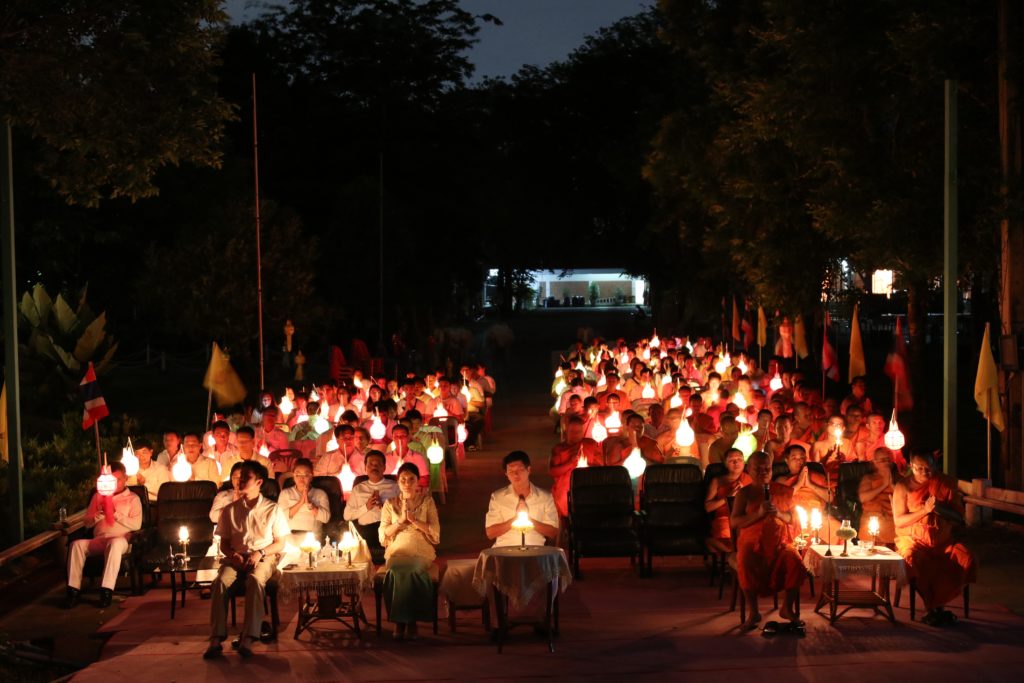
x=897, y=368
x=986, y=384
x=95, y=406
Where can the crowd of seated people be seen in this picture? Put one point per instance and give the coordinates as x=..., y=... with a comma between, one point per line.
x=677, y=401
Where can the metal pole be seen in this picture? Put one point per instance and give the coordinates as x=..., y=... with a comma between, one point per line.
x=10, y=308
x=380, y=265
x=259, y=263
x=950, y=291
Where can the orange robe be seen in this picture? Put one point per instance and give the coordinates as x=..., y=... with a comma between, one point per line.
x=806, y=498
x=880, y=506
x=564, y=458
x=765, y=558
x=720, y=516
x=942, y=568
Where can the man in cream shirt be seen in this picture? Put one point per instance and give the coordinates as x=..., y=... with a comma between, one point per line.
x=366, y=500
x=252, y=533
x=501, y=511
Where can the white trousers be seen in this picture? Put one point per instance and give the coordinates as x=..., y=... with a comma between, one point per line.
x=112, y=549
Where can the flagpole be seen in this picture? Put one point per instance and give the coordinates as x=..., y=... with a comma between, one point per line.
x=988, y=433
x=99, y=454
x=259, y=264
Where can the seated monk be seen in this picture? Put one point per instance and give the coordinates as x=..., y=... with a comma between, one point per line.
x=924, y=506
x=809, y=490
x=766, y=561
x=565, y=456
x=875, y=495
x=648, y=446
x=720, y=493
x=833, y=449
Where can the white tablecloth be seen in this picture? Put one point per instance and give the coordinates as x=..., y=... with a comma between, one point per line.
x=519, y=573
x=327, y=579
x=887, y=563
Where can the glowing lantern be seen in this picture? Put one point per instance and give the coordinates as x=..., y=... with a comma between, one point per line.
x=646, y=355
x=313, y=396
x=666, y=379
x=377, y=428
x=598, y=433
x=465, y=392
x=742, y=418
x=655, y=342
x=873, y=525
x=310, y=545
x=558, y=373
x=675, y=402
x=613, y=422
x=623, y=358
x=689, y=412
x=347, y=544
x=647, y=392
x=837, y=434
x=357, y=382
x=320, y=424
x=182, y=470
x=894, y=439
x=522, y=524
x=439, y=411
x=582, y=462
x=286, y=406
x=130, y=462
x=776, y=382
x=301, y=418
x=685, y=435
x=325, y=410
x=746, y=443
x=740, y=401
x=210, y=441
x=264, y=451
x=341, y=411
x=743, y=367
x=106, y=483
x=721, y=365
x=332, y=445
x=435, y=454
x=579, y=366
x=602, y=381
x=347, y=478
x=560, y=386
x=816, y=523
x=461, y=433
x=635, y=464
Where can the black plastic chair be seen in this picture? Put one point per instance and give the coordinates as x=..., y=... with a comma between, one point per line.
x=672, y=516
x=602, y=519
x=848, y=490
x=185, y=503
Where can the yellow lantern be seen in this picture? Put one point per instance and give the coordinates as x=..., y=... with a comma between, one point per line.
x=746, y=443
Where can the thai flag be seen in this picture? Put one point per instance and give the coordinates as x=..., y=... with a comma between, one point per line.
x=95, y=406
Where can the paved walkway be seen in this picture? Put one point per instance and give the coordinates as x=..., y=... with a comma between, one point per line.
x=615, y=626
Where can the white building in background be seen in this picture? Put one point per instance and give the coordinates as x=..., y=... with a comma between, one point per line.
x=606, y=286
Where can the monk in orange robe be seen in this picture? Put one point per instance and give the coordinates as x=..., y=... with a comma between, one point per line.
x=809, y=491
x=720, y=491
x=564, y=458
x=875, y=495
x=923, y=505
x=765, y=558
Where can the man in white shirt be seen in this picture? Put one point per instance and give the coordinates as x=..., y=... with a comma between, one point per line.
x=228, y=496
x=222, y=450
x=151, y=474
x=502, y=509
x=268, y=434
x=244, y=449
x=307, y=508
x=403, y=450
x=112, y=519
x=203, y=468
x=366, y=500
x=331, y=462
x=252, y=533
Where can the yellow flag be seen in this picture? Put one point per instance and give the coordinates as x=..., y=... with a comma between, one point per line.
x=3, y=424
x=857, y=365
x=986, y=384
x=800, y=334
x=762, y=327
x=222, y=379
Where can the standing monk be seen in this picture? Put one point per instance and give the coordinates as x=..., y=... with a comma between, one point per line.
x=924, y=506
x=766, y=560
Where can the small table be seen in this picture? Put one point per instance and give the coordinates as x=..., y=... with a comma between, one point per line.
x=516, y=574
x=881, y=564
x=205, y=569
x=328, y=591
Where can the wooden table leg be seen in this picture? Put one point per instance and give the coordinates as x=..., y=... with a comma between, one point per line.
x=835, y=601
x=501, y=610
x=174, y=592
x=548, y=626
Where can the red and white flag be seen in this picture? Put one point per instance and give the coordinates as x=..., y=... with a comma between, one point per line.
x=898, y=370
x=95, y=406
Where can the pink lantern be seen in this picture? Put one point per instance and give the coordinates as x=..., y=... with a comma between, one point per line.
x=106, y=483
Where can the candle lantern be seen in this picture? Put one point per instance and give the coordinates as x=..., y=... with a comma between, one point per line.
x=311, y=547
x=461, y=432
x=129, y=460
x=598, y=433
x=684, y=435
x=347, y=544
x=894, y=439
x=613, y=423
x=746, y=442
x=776, y=382
x=106, y=483
x=435, y=454
x=816, y=524
x=182, y=470
x=347, y=478
x=286, y=406
x=377, y=428
x=635, y=464
x=873, y=528
x=522, y=524
x=183, y=540
x=439, y=411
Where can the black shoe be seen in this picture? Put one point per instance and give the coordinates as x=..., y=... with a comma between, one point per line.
x=106, y=597
x=71, y=599
x=214, y=651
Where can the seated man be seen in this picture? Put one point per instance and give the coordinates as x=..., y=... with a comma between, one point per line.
x=203, y=468
x=172, y=446
x=875, y=495
x=268, y=433
x=112, y=519
x=222, y=451
x=766, y=561
x=151, y=473
x=331, y=462
x=252, y=533
x=564, y=458
x=729, y=429
x=505, y=503
x=926, y=507
x=245, y=445
x=403, y=450
x=306, y=507
x=366, y=500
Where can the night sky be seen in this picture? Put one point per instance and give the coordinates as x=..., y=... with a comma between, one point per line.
x=534, y=32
